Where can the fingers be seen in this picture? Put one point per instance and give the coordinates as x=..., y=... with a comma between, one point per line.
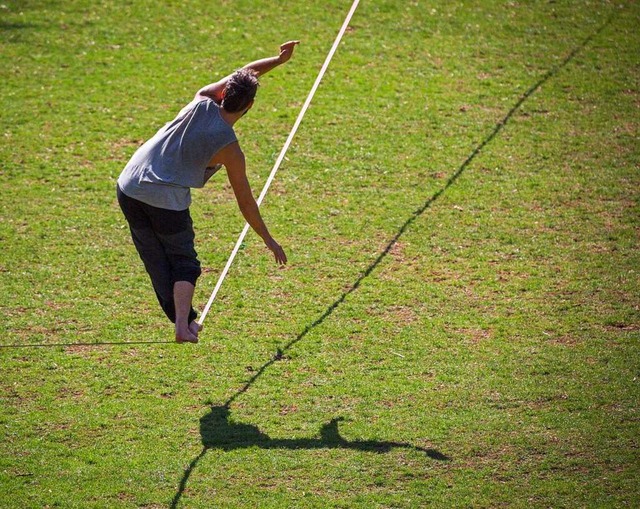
x=286, y=50
x=280, y=256
x=278, y=253
x=289, y=44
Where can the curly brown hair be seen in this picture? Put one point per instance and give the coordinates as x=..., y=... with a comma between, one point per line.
x=240, y=90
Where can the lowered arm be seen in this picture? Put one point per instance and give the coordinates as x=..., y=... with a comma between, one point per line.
x=233, y=159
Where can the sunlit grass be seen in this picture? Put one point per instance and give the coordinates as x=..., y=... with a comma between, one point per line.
x=458, y=324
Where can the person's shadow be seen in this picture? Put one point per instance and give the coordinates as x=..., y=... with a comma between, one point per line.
x=217, y=431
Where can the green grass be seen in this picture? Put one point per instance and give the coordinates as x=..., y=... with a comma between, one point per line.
x=461, y=212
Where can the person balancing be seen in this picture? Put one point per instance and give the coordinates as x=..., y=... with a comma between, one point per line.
x=154, y=189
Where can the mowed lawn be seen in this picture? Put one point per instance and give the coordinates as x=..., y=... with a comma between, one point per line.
x=459, y=322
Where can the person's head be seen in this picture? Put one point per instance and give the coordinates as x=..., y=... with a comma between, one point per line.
x=240, y=91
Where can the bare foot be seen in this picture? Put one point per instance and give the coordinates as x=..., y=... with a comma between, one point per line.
x=185, y=335
x=195, y=328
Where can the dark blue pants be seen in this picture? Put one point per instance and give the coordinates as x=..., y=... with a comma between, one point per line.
x=165, y=242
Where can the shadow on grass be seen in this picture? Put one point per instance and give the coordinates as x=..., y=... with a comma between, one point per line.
x=419, y=211
x=101, y=343
x=4, y=25
x=217, y=431
x=410, y=220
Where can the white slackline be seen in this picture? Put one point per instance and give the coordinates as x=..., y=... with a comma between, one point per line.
x=280, y=157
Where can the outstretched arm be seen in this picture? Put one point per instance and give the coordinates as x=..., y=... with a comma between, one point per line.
x=260, y=67
x=264, y=65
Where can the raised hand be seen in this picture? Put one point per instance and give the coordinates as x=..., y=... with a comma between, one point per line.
x=286, y=50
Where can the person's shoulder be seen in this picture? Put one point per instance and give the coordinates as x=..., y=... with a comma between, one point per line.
x=203, y=105
x=189, y=107
x=204, y=99
x=200, y=106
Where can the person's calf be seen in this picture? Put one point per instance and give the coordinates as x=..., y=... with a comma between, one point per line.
x=182, y=296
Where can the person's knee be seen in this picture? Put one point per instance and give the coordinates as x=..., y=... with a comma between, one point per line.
x=188, y=270
x=182, y=256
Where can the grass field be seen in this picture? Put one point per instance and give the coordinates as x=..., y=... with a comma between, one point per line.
x=459, y=322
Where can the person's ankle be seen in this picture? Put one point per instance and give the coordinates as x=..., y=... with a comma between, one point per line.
x=184, y=333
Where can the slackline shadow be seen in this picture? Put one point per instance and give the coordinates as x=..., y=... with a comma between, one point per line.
x=218, y=432
x=418, y=212
x=215, y=429
x=101, y=343
x=415, y=215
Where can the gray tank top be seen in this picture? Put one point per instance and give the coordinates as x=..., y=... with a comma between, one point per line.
x=163, y=170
